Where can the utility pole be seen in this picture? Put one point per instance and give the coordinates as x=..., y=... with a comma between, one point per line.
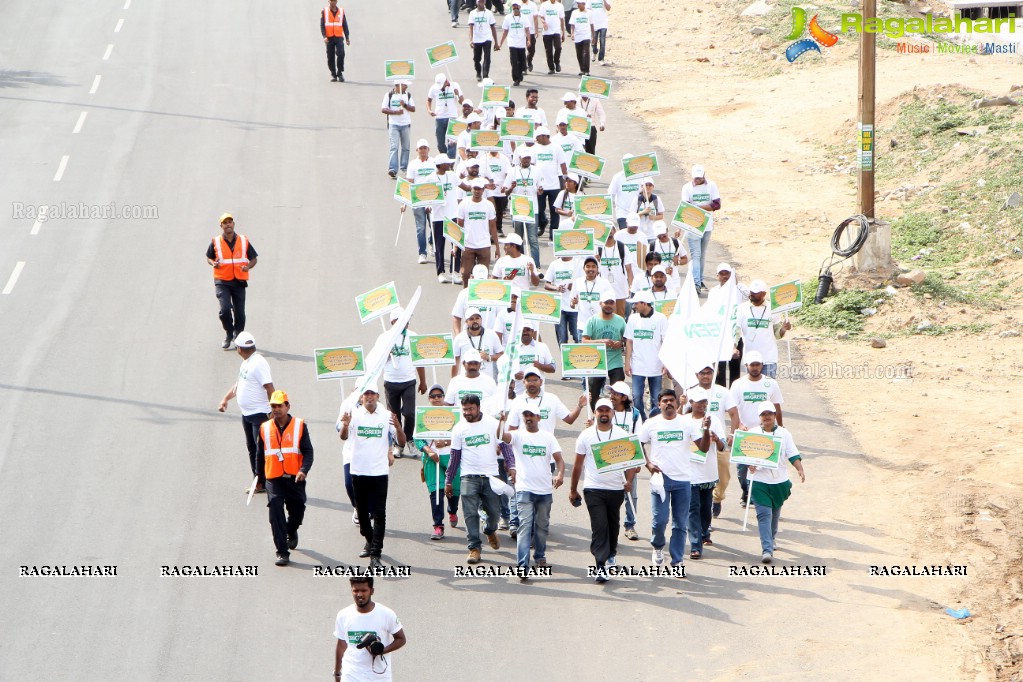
x=876, y=254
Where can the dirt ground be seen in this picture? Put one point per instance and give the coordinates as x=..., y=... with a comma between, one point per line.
x=936, y=415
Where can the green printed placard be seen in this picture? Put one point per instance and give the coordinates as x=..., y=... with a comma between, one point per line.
x=435, y=423
x=403, y=191
x=601, y=229
x=574, y=242
x=495, y=96
x=665, y=306
x=595, y=206
x=445, y=53
x=598, y=88
x=486, y=140
x=755, y=449
x=587, y=165
x=455, y=128
x=508, y=362
x=377, y=302
x=698, y=456
x=691, y=219
x=642, y=166
x=583, y=360
x=489, y=293
x=786, y=296
x=453, y=233
x=395, y=69
x=429, y=350
x=579, y=126
x=540, y=306
x=517, y=129
x=618, y=454
x=521, y=208
x=338, y=363
x=426, y=194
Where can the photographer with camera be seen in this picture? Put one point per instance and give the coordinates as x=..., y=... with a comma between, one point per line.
x=366, y=634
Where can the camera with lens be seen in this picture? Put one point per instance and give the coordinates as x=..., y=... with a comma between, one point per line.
x=371, y=641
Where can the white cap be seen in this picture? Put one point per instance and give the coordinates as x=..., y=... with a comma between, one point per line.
x=696, y=394
x=697, y=171
x=758, y=286
x=472, y=310
x=604, y=402
x=574, y=177
x=516, y=291
x=396, y=313
x=632, y=220
x=529, y=324
x=569, y=97
x=472, y=355
x=442, y=158
x=513, y=238
x=479, y=271
x=753, y=356
x=542, y=130
x=478, y=183
x=647, y=181
x=525, y=154
x=766, y=406
x=660, y=228
x=371, y=387
x=562, y=119
x=403, y=81
x=440, y=78
x=245, y=340
x=724, y=267
x=622, y=387
x=473, y=118
x=535, y=372
x=608, y=295
x=659, y=268
x=422, y=143
x=486, y=81
x=467, y=101
x=472, y=162
x=643, y=296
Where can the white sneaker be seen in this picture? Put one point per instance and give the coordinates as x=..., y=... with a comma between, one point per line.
x=422, y=259
x=612, y=561
x=454, y=24
x=456, y=277
x=355, y=517
x=601, y=575
x=657, y=556
x=442, y=279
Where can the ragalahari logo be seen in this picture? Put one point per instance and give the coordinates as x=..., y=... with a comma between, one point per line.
x=818, y=36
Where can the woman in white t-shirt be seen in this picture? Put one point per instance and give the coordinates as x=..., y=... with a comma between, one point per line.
x=769, y=488
x=559, y=278
x=649, y=207
x=565, y=203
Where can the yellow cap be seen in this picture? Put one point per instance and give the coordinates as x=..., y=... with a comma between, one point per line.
x=278, y=398
x=225, y=216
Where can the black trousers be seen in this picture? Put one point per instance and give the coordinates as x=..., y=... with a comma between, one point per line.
x=481, y=58
x=251, y=424
x=590, y=145
x=285, y=493
x=499, y=4
x=336, y=55
x=729, y=371
x=439, y=243
x=401, y=400
x=552, y=47
x=232, y=306
x=371, y=493
x=518, y=63
x=500, y=204
x=545, y=199
x=596, y=384
x=582, y=54
x=530, y=51
x=605, y=508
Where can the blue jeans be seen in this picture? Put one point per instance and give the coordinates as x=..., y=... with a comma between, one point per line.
x=631, y=499
x=698, y=255
x=767, y=524
x=476, y=490
x=398, y=136
x=599, y=43
x=530, y=236
x=508, y=512
x=567, y=325
x=676, y=495
x=453, y=6
x=700, y=503
x=638, y=385
x=422, y=225
x=770, y=370
x=441, y=130
x=532, y=508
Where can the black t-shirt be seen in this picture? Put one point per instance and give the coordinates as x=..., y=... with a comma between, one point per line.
x=211, y=253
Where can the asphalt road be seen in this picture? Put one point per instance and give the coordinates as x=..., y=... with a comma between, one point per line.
x=112, y=450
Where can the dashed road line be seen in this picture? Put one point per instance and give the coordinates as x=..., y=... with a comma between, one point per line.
x=120, y=23
x=95, y=85
x=61, y=168
x=80, y=123
x=14, y=278
x=38, y=224
x=106, y=55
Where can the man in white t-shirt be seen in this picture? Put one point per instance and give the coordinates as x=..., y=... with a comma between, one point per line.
x=442, y=102
x=604, y=492
x=523, y=180
x=703, y=193
x=470, y=382
x=400, y=382
x=478, y=220
x=598, y=10
x=421, y=169
x=558, y=278
x=669, y=438
x=587, y=293
x=253, y=389
x=532, y=112
x=353, y=663
x=705, y=472
x=532, y=353
x=644, y=334
x=673, y=254
x=544, y=403
x=516, y=28
x=449, y=209
x=769, y=488
x=622, y=192
x=551, y=168
x=759, y=328
x=458, y=310
x=552, y=19
x=748, y=392
x=476, y=337
x=535, y=450
x=397, y=105
x=474, y=448
x=582, y=32
x=531, y=11
x=372, y=429
x=482, y=36
x=720, y=406
x=514, y=266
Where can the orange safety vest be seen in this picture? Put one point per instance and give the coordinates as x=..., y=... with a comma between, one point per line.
x=280, y=450
x=231, y=267
x=334, y=29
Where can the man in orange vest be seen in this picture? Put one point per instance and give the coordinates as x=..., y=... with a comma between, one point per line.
x=232, y=257
x=334, y=29
x=288, y=454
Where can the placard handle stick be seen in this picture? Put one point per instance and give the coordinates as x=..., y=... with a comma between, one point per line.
x=342, y=383
x=400, y=220
x=788, y=347
x=749, y=503
x=252, y=489
x=434, y=368
x=437, y=491
x=383, y=325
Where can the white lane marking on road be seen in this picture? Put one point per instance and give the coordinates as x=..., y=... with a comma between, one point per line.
x=95, y=85
x=127, y=4
x=120, y=23
x=106, y=55
x=14, y=278
x=60, y=168
x=80, y=123
x=38, y=224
